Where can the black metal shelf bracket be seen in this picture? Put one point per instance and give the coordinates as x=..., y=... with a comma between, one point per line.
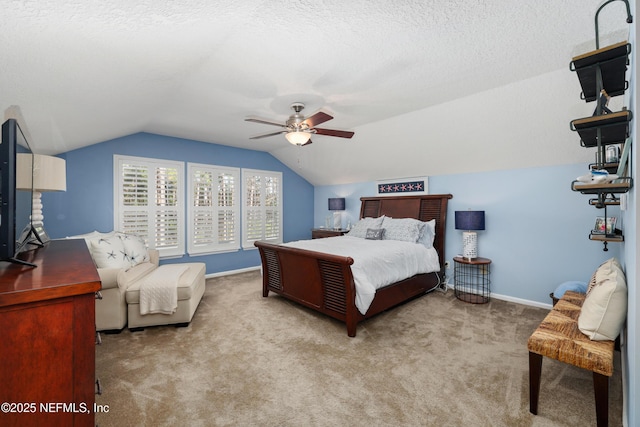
x=629, y=18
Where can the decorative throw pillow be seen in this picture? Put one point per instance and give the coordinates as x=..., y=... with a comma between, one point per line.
x=88, y=237
x=135, y=248
x=592, y=282
x=374, y=233
x=428, y=234
x=403, y=229
x=605, y=306
x=108, y=252
x=360, y=228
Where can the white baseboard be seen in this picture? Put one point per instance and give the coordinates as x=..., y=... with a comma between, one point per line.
x=231, y=272
x=516, y=300
x=522, y=301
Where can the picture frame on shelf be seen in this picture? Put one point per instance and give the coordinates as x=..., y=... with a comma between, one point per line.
x=605, y=225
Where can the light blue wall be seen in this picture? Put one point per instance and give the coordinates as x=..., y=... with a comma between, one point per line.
x=536, y=227
x=631, y=343
x=88, y=202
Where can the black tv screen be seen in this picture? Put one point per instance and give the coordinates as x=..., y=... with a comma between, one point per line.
x=16, y=192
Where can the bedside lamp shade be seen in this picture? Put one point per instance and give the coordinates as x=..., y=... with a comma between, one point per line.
x=470, y=221
x=48, y=174
x=337, y=204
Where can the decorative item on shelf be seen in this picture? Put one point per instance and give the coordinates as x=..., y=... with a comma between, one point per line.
x=597, y=176
x=603, y=103
x=337, y=205
x=470, y=221
x=612, y=154
x=605, y=225
x=48, y=174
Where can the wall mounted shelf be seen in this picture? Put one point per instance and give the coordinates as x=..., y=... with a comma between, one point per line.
x=602, y=74
x=614, y=128
x=611, y=62
x=621, y=185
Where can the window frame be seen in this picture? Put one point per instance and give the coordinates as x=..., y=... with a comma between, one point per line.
x=213, y=247
x=120, y=210
x=248, y=243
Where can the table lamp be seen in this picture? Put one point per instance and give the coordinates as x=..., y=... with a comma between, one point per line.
x=49, y=173
x=337, y=206
x=470, y=221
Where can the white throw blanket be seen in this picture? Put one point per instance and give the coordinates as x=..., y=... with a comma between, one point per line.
x=376, y=263
x=159, y=290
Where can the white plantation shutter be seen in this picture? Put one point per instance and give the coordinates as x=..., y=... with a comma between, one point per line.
x=262, y=204
x=149, y=202
x=214, y=209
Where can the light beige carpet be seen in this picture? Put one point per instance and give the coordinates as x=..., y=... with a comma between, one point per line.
x=246, y=360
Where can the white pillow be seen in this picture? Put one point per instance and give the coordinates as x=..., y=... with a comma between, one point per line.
x=605, y=306
x=428, y=234
x=134, y=248
x=402, y=229
x=360, y=228
x=108, y=252
x=88, y=237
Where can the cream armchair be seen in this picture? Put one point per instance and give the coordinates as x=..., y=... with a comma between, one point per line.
x=122, y=261
x=111, y=310
x=119, y=262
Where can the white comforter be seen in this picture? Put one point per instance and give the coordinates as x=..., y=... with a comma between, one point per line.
x=376, y=263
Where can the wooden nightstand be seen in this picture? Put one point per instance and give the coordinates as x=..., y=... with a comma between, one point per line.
x=319, y=233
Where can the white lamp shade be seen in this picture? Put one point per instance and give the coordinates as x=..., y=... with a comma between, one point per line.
x=298, y=138
x=49, y=173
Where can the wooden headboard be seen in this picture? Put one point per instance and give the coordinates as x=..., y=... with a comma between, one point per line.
x=424, y=208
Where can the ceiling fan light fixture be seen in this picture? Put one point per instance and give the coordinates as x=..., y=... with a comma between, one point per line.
x=297, y=137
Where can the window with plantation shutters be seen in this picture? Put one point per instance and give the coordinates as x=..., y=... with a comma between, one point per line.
x=149, y=202
x=214, y=209
x=262, y=206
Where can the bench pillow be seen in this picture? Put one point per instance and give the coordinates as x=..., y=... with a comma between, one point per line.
x=605, y=306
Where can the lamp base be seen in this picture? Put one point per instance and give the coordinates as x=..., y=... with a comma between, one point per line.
x=470, y=244
x=337, y=220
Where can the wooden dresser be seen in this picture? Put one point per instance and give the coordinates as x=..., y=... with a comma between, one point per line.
x=47, y=337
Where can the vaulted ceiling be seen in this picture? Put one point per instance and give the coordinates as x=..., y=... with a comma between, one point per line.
x=86, y=71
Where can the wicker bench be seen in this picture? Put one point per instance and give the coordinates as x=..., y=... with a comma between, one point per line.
x=559, y=338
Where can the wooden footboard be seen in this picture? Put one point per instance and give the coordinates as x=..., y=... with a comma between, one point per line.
x=320, y=281
x=324, y=283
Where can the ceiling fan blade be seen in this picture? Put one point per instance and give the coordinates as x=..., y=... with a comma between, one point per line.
x=333, y=132
x=263, y=121
x=307, y=143
x=268, y=134
x=317, y=118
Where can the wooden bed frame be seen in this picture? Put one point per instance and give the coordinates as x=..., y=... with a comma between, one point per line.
x=324, y=282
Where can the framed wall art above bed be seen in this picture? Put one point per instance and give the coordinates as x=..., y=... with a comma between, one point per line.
x=325, y=282
x=403, y=186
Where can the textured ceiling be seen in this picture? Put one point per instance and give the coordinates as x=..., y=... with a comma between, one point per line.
x=86, y=71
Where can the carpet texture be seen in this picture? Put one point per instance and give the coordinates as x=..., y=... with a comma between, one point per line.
x=246, y=360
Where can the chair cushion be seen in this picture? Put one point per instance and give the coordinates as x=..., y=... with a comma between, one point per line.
x=186, y=284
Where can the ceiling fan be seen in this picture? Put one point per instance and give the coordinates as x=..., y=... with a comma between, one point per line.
x=297, y=129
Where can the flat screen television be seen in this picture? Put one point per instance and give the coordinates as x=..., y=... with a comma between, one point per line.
x=15, y=203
